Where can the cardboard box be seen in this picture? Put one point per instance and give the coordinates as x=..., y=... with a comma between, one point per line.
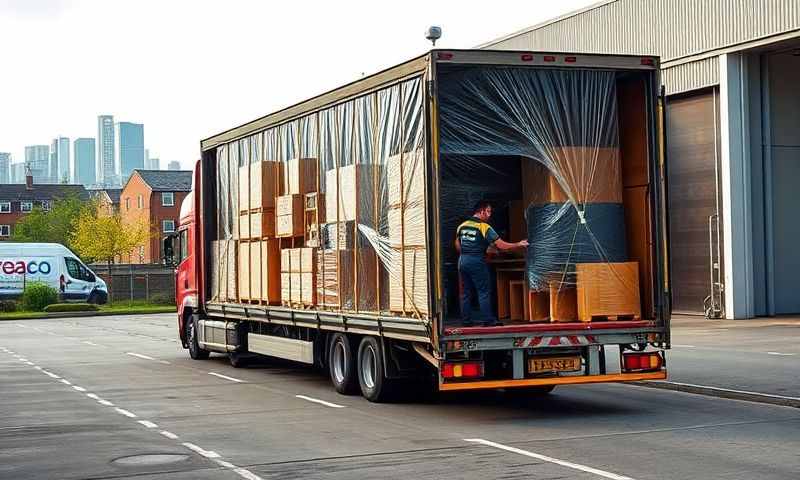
x=563, y=303
x=261, y=224
x=336, y=279
x=591, y=174
x=406, y=227
x=298, y=260
x=243, y=271
x=405, y=178
x=300, y=176
x=354, y=192
x=224, y=270
x=289, y=226
x=608, y=290
x=538, y=306
x=408, y=281
x=270, y=271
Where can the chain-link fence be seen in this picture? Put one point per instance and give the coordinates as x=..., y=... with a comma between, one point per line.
x=151, y=283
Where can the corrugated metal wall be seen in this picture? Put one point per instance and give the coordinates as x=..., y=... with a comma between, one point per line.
x=672, y=29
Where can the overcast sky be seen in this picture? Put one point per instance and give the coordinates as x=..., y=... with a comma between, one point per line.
x=190, y=69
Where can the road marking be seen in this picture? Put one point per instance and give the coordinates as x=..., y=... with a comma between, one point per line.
x=52, y=375
x=225, y=377
x=65, y=381
x=169, y=435
x=87, y=342
x=93, y=396
x=37, y=367
x=321, y=402
x=781, y=354
x=21, y=325
x=563, y=463
x=32, y=364
x=682, y=346
x=225, y=464
x=139, y=355
x=244, y=473
x=746, y=392
x=148, y=423
x=80, y=389
x=205, y=453
x=106, y=403
x=122, y=411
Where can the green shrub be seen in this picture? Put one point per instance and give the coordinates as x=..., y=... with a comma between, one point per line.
x=162, y=299
x=38, y=295
x=8, y=306
x=72, y=307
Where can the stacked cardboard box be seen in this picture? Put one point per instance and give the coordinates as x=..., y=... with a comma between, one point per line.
x=591, y=174
x=336, y=279
x=353, y=194
x=298, y=282
x=259, y=271
x=258, y=185
x=257, y=224
x=224, y=269
x=290, y=215
x=300, y=176
x=408, y=263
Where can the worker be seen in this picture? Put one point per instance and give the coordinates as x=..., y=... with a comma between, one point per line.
x=473, y=238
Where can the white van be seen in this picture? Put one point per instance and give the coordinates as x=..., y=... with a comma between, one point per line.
x=53, y=264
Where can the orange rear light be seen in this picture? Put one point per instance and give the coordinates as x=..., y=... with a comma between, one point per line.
x=639, y=361
x=462, y=370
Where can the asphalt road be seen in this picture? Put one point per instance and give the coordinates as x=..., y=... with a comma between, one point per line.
x=117, y=397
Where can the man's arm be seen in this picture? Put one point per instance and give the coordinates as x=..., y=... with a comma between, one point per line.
x=503, y=245
x=458, y=245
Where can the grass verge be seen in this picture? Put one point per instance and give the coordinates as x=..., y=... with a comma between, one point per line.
x=115, y=308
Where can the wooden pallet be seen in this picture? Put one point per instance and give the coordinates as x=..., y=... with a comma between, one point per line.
x=616, y=318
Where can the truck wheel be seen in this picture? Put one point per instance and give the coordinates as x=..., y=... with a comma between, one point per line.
x=195, y=351
x=371, y=374
x=342, y=364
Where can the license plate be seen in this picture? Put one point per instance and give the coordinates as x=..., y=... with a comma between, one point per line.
x=554, y=364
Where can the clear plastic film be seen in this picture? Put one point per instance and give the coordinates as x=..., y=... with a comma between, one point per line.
x=349, y=206
x=542, y=145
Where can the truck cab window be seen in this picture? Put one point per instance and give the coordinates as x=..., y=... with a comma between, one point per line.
x=184, y=244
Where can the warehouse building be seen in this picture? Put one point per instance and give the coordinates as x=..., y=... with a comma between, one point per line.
x=731, y=71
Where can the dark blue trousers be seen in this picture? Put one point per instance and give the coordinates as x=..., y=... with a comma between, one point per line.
x=475, y=280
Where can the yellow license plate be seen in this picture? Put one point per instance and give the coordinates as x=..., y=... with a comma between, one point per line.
x=554, y=364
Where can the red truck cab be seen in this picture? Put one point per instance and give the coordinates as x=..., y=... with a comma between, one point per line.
x=180, y=251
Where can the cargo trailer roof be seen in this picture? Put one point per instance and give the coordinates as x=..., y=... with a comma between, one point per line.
x=418, y=65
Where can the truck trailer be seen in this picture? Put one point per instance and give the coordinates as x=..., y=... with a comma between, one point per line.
x=324, y=233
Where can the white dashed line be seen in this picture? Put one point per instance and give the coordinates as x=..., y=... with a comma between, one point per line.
x=225, y=377
x=65, y=381
x=321, y=402
x=87, y=342
x=205, y=453
x=683, y=346
x=105, y=402
x=37, y=367
x=780, y=354
x=80, y=389
x=563, y=463
x=21, y=325
x=30, y=363
x=122, y=411
x=139, y=355
x=169, y=435
x=225, y=464
x=53, y=375
x=148, y=424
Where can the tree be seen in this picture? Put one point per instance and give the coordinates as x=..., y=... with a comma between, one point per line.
x=55, y=225
x=108, y=237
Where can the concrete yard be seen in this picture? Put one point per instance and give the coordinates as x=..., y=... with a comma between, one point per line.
x=117, y=397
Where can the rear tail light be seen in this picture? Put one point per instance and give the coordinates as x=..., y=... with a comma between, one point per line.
x=648, y=61
x=549, y=58
x=570, y=59
x=526, y=57
x=640, y=362
x=462, y=370
x=444, y=56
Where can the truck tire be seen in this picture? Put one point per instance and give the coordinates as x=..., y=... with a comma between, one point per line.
x=371, y=372
x=195, y=351
x=342, y=364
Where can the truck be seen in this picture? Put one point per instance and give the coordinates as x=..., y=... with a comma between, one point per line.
x=323, y=233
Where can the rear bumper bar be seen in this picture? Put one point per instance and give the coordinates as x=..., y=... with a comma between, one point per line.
x=572, y=380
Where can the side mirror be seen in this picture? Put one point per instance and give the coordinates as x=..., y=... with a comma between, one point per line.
x=169, y=250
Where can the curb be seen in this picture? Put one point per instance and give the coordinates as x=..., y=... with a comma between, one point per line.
x=45, y=315
x=730, y=394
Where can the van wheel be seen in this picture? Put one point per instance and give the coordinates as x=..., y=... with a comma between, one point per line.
x=371, y=373
x=195, y=351
x=342, y=364
x=94, y=298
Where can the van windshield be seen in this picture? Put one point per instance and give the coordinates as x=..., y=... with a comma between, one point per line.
x=77, y=271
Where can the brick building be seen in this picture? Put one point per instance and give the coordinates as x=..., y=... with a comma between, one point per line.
x=156, y=195
x=18, y=200
x=107, y=200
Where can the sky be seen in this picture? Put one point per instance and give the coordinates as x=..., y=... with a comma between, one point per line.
x=191, y=69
